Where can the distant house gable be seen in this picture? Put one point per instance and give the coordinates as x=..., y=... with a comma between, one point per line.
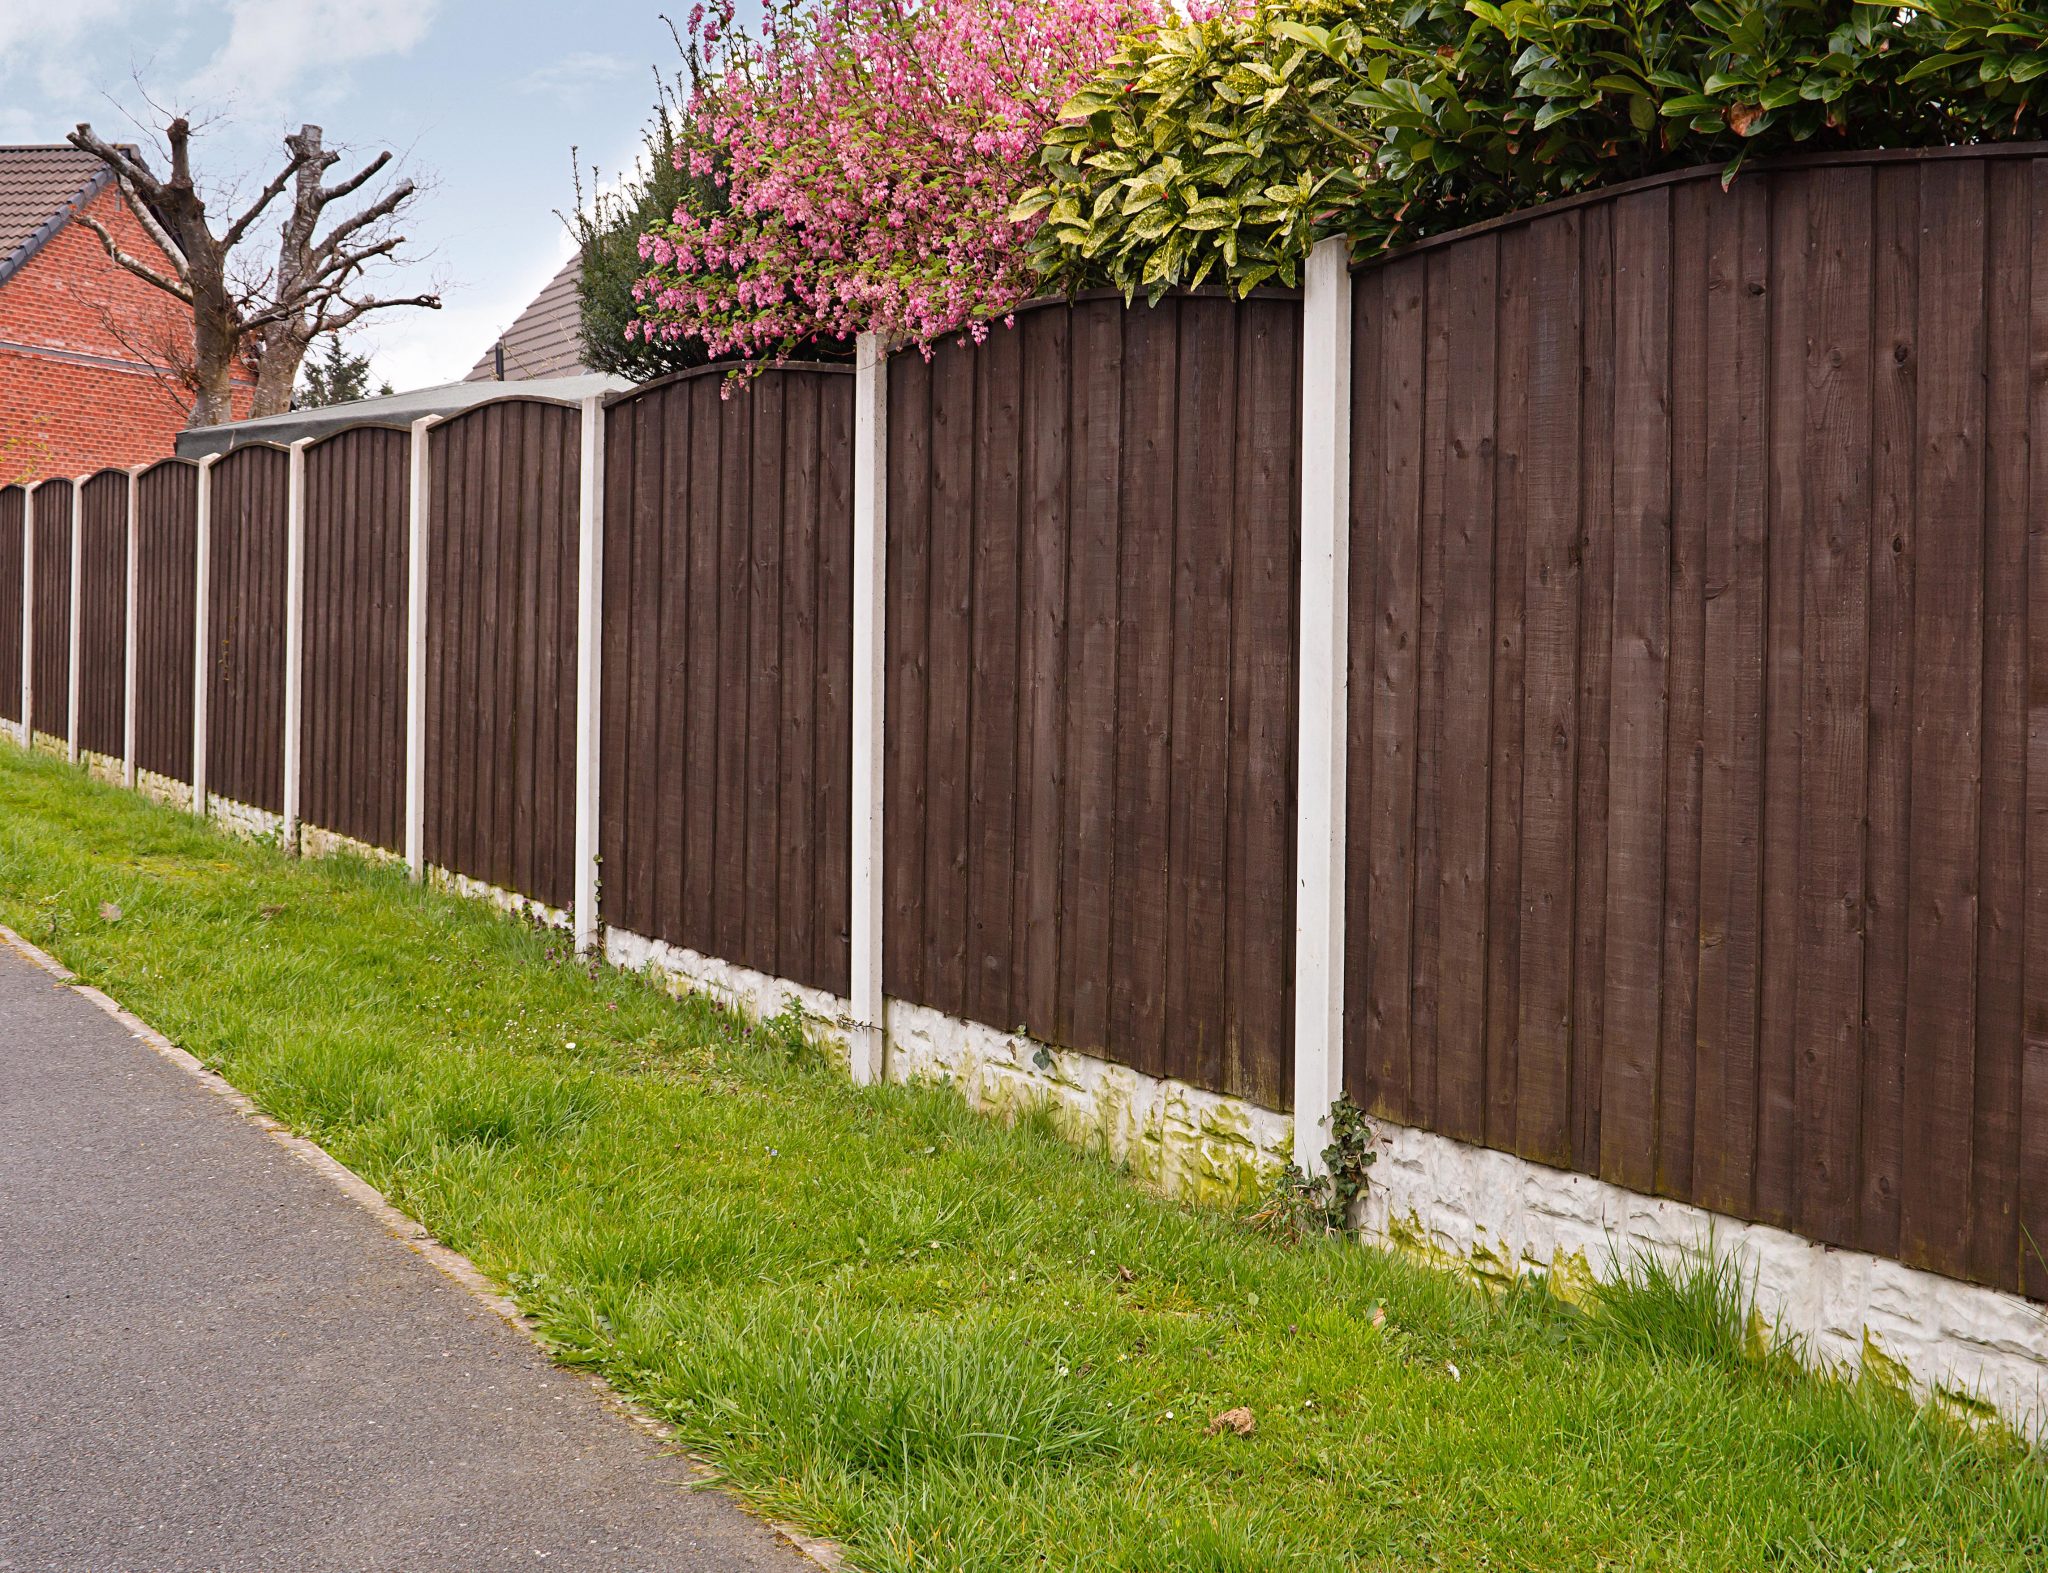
x=545, y=340
x=92, y=359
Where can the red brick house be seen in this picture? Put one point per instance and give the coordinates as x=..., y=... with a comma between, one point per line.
x=88, y=352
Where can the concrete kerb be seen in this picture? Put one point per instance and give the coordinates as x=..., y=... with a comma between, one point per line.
x=451, y=1264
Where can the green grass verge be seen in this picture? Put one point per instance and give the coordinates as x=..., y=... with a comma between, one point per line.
x=956, y=1345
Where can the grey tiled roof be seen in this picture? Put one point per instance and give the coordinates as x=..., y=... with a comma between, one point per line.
x=544, y=340
x=39, y=187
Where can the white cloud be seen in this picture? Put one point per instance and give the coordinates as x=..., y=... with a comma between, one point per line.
x=574, y=75
x=32, y=30
x=274, y=45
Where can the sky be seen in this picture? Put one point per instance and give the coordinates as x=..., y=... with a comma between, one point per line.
x=479, y=100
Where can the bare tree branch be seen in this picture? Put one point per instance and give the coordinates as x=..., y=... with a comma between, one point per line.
x=141, y=270
x=336, y=192
x=148, y=220
x=240, y=226
x=382, y=208
x=357, y=308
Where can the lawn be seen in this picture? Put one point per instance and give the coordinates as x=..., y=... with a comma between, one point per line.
x=951, y=1344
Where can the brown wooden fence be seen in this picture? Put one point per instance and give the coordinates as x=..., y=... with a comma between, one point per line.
x=103, y=613
x=50, y=661
x=245, y=628
x=501, y=647
x=353, y=712
x=12, y=582
x=1697, y=821
x=727, y=727
x=1092, y=531
x=166, y=583
x=1694, y=629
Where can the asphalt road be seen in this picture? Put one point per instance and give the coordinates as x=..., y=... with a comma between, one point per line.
x=213, y=1359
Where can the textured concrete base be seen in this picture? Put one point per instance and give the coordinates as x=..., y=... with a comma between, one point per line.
x=244, y=819
x=1496, y=1216
x=164, y=789
x=504, y=900
x=1183, y=1140
x=314, y=842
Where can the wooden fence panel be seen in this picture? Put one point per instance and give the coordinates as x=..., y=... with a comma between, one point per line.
x=166, y=581
x=1093, y=525
x=245, y=627
x=352, y=735
x=50, y=677
x=729, y=640
x=103, y=613
x=501, y=647
x=13, y=502
x=1696, y=657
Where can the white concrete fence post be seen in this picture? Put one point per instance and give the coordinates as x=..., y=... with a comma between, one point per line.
x=417, y=502
x=201, y=630
x=870, y=582
x=28, y=617
x=294, y=635
x=75, y=645
x=589, y=665
x=130, y=620
x=1325, y=625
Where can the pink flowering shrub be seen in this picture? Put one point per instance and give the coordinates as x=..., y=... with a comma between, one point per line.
x=855, y=167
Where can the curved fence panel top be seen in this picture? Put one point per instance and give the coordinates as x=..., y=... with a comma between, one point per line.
x=1694, y=795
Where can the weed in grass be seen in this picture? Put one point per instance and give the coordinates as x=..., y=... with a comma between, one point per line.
x=956, y=1344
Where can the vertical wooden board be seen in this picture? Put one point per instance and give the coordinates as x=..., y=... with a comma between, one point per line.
x=1550, y=720
x=1948, y=668
x=1596, y=669
x=1724, y=1098
x=1995, y=1241
x=460, y=486
x=440, y=643
x=661, y=677
x=2033, y=1102
x=1206, y=729
x=993, y=704
x=834, y=909
x=1685, y=685
x=103, y=591
x=1512, y=363
x=559, y=602
x=1043, y=418
x=1368, y=308
x=1639, y=696
x=798, y=849
x=618, y=812
x=651, y=851
x=735, y=692
x=50, y=701
x=1095, y=526
x=536, y=678
x=1427, y=893
x=908, y=663
x=1144, y=694
x=1834, y=645
x=1792, y=294
x=12, y=585
x=1467, y=316
x=702, y=717
x=949, y=677
x=764, y=668
x=1396, y=556
x=1266, y=642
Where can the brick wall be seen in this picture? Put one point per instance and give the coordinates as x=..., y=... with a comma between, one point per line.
x=81, y=347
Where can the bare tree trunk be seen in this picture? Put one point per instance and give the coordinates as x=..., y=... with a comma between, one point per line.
x=313, y=289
